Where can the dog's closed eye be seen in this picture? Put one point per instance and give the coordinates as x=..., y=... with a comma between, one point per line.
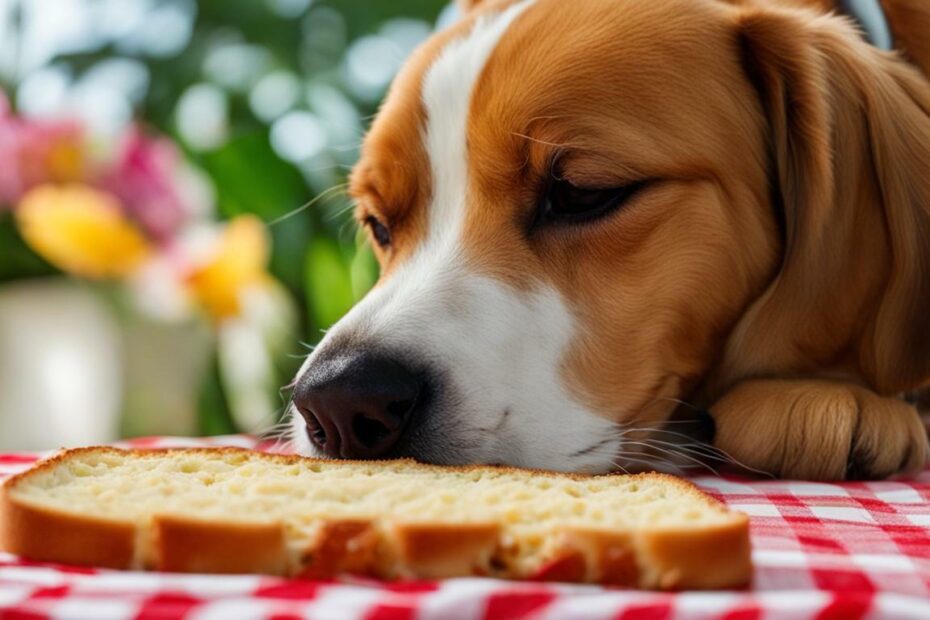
x=379, y=231
x=565, y=202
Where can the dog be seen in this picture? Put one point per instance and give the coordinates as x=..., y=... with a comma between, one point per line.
x=595, y=218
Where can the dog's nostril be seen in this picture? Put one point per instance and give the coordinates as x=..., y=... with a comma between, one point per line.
x=317, y=434
x=315, y=430
x=369, y=432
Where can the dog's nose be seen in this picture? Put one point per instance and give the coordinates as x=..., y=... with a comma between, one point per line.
x=357, y=407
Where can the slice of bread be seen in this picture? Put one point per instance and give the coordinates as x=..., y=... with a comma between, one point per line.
x=236, y=511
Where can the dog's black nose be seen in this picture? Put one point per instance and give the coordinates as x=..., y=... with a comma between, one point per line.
x=358, y=406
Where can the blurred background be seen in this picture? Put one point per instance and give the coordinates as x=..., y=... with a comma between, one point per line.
x=174, y=234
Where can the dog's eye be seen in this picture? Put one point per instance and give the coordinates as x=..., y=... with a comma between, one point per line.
x=379, y=231
x=565, y=202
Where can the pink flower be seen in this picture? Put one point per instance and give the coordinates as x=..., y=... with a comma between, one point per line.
x=35, y=152
x=143, y=179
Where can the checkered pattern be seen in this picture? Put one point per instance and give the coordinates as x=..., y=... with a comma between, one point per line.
x=827, y=551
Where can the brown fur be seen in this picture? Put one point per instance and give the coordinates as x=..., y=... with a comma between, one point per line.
x=387, y=183
x=776, y=268
x=643, y=319
x=851, y=139
x=910, y=22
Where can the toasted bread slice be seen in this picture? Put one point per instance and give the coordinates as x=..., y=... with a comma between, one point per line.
x=236, y=511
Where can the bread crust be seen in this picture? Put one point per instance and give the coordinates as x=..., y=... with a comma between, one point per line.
x=610, y=558
x=680, y=559
x=184, y=545
x=45, y=535
x=348, y=546
x=710, y=556
x=438, y=550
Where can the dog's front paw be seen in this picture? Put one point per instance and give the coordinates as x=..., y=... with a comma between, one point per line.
x=819, y=430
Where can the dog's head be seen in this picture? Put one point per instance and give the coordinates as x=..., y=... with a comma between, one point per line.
x=578, y=209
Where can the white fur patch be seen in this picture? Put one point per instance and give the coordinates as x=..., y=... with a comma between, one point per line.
x=500, y=349
x=447, y=90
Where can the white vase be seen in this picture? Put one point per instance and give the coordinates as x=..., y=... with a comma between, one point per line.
x=165, y=365
x=61, y=366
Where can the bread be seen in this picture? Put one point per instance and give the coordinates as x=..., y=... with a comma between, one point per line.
x=235, y=511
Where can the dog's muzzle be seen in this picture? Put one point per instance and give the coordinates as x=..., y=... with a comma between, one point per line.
x=359, y=405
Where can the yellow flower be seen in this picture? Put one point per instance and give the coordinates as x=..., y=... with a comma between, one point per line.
x=81, y=231
x=237, y=264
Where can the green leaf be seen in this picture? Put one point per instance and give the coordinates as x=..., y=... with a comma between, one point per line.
x=250, y=178
x=17, y=260
x=329, y=285
x=212, y=406
x=362, y=17
x=289, y=240
x=363, y=271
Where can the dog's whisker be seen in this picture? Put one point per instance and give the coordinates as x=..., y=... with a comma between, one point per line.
x=336, y=214
x=690, y=442
x=710, y=451
x=728, y=458
x=282, y=444
x=669, y=432
x=672, y=453
x=281, y=415
x=695, y=449
x=283, y=420
x=651, y=462
x=662, y=400
x=539, y=141
x=321, y=196
x=622, y=468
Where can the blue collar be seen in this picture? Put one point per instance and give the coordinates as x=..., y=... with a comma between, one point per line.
x=870, y=17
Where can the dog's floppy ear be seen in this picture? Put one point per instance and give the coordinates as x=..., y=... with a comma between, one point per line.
x=910, y=22
x=849, y=131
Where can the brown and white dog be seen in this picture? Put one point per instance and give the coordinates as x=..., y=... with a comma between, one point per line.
x=590, y=212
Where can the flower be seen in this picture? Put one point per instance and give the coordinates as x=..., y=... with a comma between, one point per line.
x=142, y=216
x=236, y=265
x=143, y=178
x=81, y=230
x=34, y=152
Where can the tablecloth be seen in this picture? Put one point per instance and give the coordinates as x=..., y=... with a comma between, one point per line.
x=827, y=551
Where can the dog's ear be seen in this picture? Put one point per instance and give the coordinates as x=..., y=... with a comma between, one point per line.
x=849, y=130
x=910, y=22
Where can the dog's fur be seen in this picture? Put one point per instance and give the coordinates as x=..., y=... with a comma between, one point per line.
x=775, y=271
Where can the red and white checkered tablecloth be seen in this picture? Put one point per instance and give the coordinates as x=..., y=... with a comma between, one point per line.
x=838, y=551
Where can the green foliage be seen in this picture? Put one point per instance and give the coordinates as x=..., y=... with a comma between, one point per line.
x=328, y=281
x=363, y=271
x=248, y=175
x=212, y=407
x=326, y=269
x=250, y=178
x=315, y=252
x=364, y=16
x=16, y=259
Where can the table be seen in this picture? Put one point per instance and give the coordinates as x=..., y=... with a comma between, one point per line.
x=828, y=551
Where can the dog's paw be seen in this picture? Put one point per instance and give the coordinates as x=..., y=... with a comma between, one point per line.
x=819, y=430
